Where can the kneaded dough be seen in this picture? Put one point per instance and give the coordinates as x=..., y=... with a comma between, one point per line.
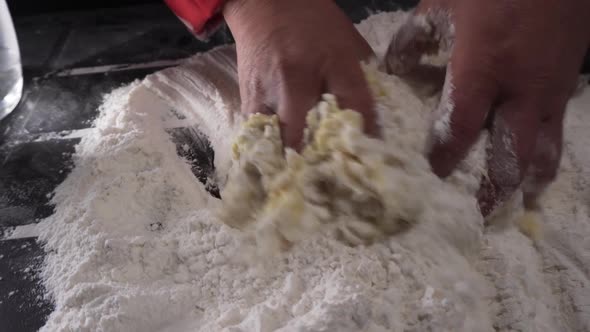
x=355, y=187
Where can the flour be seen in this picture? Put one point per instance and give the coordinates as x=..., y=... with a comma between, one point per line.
x=134, y=244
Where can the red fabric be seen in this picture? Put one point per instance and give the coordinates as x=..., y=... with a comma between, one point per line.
x=199, y=15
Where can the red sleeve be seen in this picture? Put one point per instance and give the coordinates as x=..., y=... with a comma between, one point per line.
x=201, y=16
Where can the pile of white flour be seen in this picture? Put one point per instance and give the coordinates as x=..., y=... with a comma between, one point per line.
x=134, y=245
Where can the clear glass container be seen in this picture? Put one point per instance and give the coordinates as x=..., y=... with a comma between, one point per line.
x=11, y=77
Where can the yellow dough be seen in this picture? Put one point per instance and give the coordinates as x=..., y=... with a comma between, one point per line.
x=362, y=187
x=530, y=225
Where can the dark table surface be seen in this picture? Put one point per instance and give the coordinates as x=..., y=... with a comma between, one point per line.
x=70, y=60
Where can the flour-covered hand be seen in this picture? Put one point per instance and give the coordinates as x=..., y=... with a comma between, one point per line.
x=513, y=66
x=290, y=52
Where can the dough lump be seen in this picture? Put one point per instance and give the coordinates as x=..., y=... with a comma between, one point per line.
x=357, y=188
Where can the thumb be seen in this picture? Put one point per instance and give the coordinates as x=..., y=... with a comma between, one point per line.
x=426, y=32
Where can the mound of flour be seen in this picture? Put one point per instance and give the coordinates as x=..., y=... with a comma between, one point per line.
x=134, y=244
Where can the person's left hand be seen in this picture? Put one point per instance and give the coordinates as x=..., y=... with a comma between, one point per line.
x=513, y=66
x=292, y=51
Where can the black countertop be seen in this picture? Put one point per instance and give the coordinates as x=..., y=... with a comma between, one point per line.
x=70, y=60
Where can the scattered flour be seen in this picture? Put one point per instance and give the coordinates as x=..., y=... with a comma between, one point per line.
x=134, y=244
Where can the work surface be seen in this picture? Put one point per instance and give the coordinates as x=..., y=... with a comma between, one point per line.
x=70, y=59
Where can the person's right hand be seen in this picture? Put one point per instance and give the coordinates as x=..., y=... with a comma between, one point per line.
x=292, y=51
x=513, y=66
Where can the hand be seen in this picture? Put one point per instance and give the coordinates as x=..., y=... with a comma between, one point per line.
x=513, y=66
x=290, y=52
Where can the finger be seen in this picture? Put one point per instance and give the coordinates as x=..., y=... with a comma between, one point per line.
x=466, y=99
x=545, y=161
x=352, y=91
x=297, y=97
x=512, y=141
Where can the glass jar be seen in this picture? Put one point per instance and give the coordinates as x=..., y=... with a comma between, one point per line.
x=11, y=78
